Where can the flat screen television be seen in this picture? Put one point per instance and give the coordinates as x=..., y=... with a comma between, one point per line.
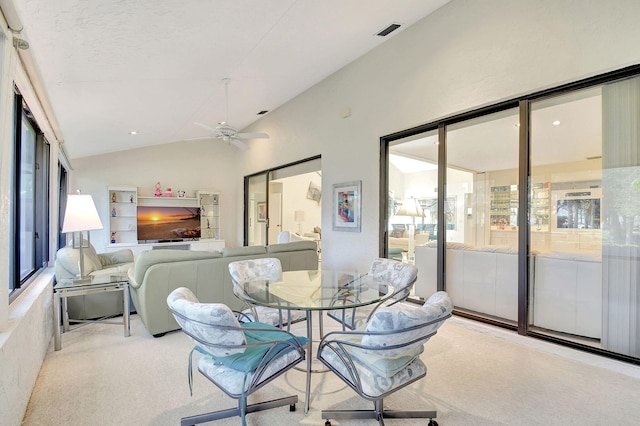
x=165, y=224
x=578, y=214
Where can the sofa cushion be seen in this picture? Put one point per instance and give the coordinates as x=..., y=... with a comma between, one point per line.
x=243, y=251
x=148, y=258
x=398, y=233
x=68, y=259
x=292, y=246
x=116, y=257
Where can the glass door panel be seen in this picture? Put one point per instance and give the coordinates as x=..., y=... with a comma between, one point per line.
x=413, y=206
x=586, y=145
x=257, y=210
x=481, y=214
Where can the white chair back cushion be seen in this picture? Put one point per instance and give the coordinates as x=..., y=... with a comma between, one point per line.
x=402, y=275
x=193, y=317
x=267, y=268
x=394, y=318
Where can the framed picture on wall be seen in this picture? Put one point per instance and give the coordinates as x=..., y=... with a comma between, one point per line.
x=346, y=206
x=261, y=213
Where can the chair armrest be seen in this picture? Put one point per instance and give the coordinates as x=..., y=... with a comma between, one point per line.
x=132, y=280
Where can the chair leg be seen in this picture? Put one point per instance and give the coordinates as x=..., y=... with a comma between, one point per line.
x=231, y=412
x=379, y=413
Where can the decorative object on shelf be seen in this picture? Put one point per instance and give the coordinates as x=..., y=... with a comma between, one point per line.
x=167, y=193
x=314, y=192
x=113, y=238
x=114, y=198
x=158, y=192
x=346, y=206
x=81, y=215
x=122, y=214
x=181, y=194
x=209, y=215
x=262, y=211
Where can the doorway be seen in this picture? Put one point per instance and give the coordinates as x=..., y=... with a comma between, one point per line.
x=285, y=198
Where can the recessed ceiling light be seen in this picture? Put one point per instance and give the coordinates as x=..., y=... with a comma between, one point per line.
x=517, y=124
x=556, y=123
x=133, y=132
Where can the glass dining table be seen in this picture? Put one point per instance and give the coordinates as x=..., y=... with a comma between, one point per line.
x=315, y=290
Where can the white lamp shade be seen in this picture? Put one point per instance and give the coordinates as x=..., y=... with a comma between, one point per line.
x=411, y=208
x=298, y=216
x=81, y=214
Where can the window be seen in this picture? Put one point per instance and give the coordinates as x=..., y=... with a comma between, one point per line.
x=30, y=214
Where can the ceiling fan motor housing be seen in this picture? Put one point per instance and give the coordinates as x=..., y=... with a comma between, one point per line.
x=226, y=131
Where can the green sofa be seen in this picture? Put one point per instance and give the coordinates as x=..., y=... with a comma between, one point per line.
x=156, y=273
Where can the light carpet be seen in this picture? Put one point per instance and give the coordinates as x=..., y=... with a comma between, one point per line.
x=477, y=375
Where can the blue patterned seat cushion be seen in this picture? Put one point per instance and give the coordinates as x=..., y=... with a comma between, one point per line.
x=405, y=370
x=251, y=357
x=232, y=372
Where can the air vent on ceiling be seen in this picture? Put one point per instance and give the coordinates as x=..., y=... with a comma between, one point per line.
x=391, y=28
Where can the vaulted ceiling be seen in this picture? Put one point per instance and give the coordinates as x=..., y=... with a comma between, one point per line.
x=112, y=67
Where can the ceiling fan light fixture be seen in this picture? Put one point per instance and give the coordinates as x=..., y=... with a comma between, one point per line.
x=228, y=133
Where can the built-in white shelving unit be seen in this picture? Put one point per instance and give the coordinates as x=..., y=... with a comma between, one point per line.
x=123, y=226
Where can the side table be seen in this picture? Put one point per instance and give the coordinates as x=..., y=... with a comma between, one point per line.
x=94, y=284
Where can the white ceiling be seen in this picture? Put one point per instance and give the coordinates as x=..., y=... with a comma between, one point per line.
x=112, y=66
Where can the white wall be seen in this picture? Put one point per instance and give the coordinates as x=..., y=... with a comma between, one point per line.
x=187, y=166
x=26, y=324
x=466, y=55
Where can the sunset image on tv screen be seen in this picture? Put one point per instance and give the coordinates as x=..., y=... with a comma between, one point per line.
x=168, y=223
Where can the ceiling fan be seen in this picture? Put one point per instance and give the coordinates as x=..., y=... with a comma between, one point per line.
x=227, y=133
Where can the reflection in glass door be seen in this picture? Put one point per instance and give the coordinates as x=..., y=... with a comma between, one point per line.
x=482, y=215
x=585, y=183
x=413, y=206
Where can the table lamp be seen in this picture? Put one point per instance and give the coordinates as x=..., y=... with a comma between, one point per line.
x=79, y=216
x=411, y=208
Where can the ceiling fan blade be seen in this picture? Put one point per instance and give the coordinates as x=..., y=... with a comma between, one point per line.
x=252, y=136
x=239, y=144
x=204, y=126
x=200, y=138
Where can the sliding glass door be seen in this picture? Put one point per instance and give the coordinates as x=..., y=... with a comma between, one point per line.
x=527, y=213
x=284, y=199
